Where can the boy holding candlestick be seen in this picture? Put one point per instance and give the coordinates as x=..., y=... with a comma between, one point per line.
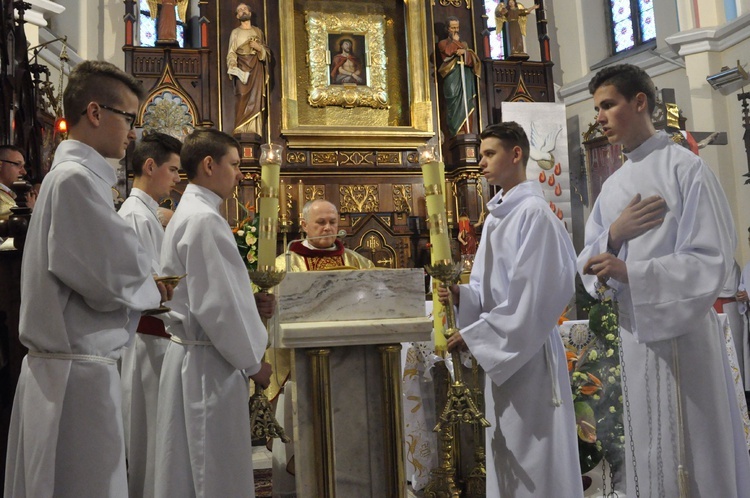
x=522, y=279
x=218, y=338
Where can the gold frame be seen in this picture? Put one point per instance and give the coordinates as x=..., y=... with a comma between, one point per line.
x=315, y=135
x=321, y=93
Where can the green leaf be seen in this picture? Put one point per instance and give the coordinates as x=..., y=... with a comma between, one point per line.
x=586, y=422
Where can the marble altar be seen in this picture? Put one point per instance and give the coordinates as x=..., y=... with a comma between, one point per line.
x=345, y=328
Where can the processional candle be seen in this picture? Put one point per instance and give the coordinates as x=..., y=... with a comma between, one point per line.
x=268, y=209
x=436, y=217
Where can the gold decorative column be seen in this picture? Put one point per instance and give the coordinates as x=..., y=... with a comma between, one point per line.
x=393, y=421
x=323, y=421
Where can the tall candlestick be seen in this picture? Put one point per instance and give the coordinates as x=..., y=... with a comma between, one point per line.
x=268, y=209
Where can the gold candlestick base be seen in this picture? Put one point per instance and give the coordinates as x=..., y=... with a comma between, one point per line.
x=442, y=483
x=263, y=424
x=460, y=406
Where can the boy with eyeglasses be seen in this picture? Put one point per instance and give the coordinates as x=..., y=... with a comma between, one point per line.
x=83, y=272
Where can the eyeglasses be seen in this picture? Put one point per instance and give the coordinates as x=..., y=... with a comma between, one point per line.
x=14, y=163
x=131, y=116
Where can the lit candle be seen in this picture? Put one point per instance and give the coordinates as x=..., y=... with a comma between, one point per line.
x=439, y=240
x=268, y=209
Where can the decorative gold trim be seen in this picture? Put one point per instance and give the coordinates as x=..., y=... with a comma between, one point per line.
x=436, y=224
x=267, y=228
x=296, y=158
x=322, y=91
x=359, y=199
x=434, y=189
x=269, y=192
x=388, y=158
x=322, y=421
x=356, y=158
x=393, y=422
x=324, y=159
x=313, y=135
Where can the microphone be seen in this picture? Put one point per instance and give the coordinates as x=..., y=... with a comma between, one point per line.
x=288, y=254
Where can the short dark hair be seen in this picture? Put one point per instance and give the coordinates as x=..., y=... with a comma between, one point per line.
x=13, y=148
x=629, y=80
x=510, y=134
x=204, y=142
x=91, y=81
x=157, y=146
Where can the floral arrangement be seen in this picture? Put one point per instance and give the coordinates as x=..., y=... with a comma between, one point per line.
x=246, y=237
x=595, y=380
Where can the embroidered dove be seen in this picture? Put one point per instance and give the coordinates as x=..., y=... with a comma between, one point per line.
x=542, y=145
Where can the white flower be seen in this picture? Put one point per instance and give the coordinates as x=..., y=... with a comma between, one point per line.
x=241, y=233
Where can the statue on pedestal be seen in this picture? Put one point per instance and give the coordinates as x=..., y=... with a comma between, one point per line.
x=247, y=59
x=460, y=65
x=515, y=14
x=166, y=33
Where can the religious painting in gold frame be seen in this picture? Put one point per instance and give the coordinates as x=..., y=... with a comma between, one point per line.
x=403, y=116
x=330, y=84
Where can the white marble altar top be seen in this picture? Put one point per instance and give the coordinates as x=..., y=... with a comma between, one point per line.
x=346, y=295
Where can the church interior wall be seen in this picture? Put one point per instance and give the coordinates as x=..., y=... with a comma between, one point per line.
x=712, y=44
x=579, y=47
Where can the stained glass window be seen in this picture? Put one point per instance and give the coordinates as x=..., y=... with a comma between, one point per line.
x=147, y=27
x=632, y=23
x=497, y=46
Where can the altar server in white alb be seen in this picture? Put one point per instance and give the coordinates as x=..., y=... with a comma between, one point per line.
x=523, y=277
x=83, y=269
x=203, y=443
x=661, y=236
x=156, y=165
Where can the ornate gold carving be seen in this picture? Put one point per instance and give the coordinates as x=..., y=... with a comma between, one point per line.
x=296, y=158
x=372, y=242
x=402, y=198
x=388, y=158
x=412, y=157
x=455, y=3
x=359, y=198
x=386, y=219
x=316, y=192
x=321, y=92
x=355, y=158
x=407, y=123
x=324, y=158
